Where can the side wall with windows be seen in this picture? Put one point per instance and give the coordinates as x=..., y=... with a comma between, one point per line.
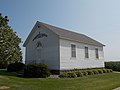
x=80, y=62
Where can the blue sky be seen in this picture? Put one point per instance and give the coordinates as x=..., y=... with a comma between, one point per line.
x=99, y=19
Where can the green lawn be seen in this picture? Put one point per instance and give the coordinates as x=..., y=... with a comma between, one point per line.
x=106, y=81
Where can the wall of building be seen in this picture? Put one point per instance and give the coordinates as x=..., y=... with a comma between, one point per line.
x=80, y=62
x=48, y=53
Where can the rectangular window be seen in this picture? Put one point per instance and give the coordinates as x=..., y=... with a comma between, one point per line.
x=86, y=52
x=96, y=53
x=73, y=50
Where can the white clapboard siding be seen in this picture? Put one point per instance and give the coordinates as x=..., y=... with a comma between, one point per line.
x=80, y=62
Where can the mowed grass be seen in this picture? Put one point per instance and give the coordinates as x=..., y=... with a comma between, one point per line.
x=107, y=81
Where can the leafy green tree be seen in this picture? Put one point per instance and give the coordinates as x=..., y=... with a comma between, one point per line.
x=9, y=44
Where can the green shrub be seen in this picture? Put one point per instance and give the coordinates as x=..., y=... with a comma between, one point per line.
x=115, y=66
x=100, y=71
x=90, y=72
x=104, y=70
x=79, y=74
x=85, y=73
x=109, y=70
x=37, y=71
x=95, y=71
x=3, y=66
x=63, y=75
x=71, y=75
x=15, y=67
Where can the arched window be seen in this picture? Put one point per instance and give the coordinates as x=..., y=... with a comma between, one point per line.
x=39, y=45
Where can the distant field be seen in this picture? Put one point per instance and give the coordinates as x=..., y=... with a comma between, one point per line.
x=106, y=81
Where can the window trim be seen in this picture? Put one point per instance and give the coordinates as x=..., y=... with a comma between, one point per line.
x=73, y=51
x=96, y=53
x=86, y=53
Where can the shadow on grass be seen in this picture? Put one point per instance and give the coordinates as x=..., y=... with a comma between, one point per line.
x=3, y=72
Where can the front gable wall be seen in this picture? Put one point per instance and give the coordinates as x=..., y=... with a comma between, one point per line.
x=43, y=47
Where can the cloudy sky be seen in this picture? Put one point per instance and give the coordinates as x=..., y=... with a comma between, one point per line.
x=99, y=19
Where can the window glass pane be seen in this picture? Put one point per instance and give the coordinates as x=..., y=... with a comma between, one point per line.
x=73, y=50
x=86, y=52
x=96, y=53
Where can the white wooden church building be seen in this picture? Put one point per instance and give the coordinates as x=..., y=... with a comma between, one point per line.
x=61, y=49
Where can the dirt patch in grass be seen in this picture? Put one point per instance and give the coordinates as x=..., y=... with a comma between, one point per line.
x=4, y=87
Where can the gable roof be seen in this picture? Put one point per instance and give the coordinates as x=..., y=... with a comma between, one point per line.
x=65, y=34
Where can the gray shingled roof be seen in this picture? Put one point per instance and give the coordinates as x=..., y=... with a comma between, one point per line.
x=72, y=35
x=69, y=35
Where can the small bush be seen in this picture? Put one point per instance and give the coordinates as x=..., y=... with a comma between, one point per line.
x=79, y=74
x=15, y=67
x=95, y=71
x=37, y=71
x=85, y=73
x=90, y=72
x=63, y=75
x=109, y=70
x=3, y=66
x=71, y=75
x=104, y=70
x=100, y=71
